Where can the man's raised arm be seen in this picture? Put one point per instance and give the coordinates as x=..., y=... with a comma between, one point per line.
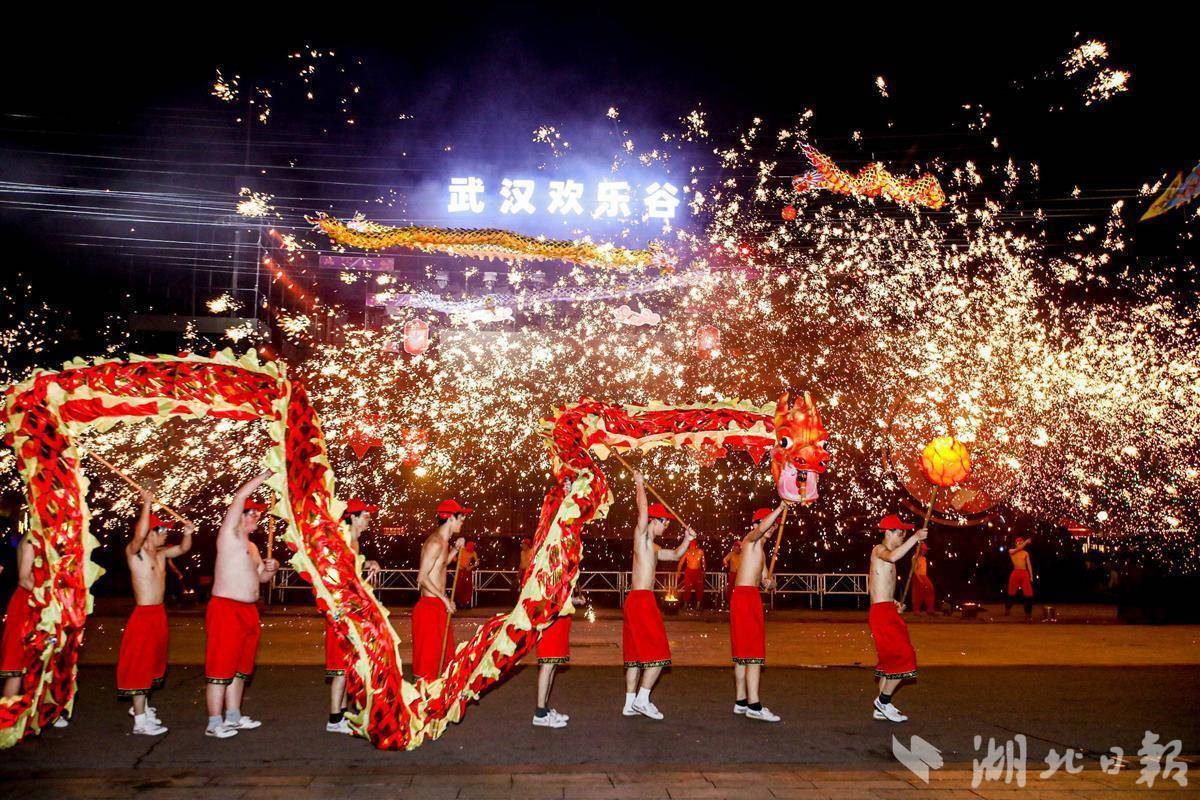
x=900, y=552
x=642, y=507
x=677, y=553
x=185, y=544
x=234, y=514
x=142, y=529
x=764, y=524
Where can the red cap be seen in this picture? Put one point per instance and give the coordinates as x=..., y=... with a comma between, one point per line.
x=526, y=543
x=255, y=505
x=469, y=547
x=762, y=513
x=356, y=505
x=158, y=522
x=893, y=523
x=446, y=508
x=659, y=511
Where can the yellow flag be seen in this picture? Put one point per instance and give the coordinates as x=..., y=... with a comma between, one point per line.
x=1159, y=206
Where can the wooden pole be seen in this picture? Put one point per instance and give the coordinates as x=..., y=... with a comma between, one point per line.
x=270, y=535
x=912, y=567
x=137, y=486
x=657, y=496
x=449, y=617
x=778, y=539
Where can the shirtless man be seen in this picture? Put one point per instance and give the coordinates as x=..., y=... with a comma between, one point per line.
x=432, y=634
x=464, y=582
x=231, y=622
x=142, y=663
x=923, y=595
x=897, y=658
x=691, y=568
x=17, y=618
x=338, y=653
x=1021, y=578
x=747, y=624
x=644, y=636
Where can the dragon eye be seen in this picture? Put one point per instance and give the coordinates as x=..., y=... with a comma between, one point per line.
x=785, y=442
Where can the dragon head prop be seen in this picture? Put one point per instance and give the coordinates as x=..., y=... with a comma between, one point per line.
x=799, y=447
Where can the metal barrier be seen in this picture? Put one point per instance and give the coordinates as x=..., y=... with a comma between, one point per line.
x=508, y=581
x=851, y=583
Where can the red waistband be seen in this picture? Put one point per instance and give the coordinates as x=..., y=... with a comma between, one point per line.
x=149, y=606
x=639, y=591
x=22, y=590
x=427, y=599
x=218, y=598
x=746, y=589
x=891, y=603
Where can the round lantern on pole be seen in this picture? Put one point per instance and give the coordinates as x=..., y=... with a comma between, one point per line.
x=946, y=463
x=416, y=337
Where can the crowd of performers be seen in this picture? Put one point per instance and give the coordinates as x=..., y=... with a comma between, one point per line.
x=232, y=623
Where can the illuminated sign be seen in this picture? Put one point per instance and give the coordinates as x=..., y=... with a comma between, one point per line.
x=607, y=199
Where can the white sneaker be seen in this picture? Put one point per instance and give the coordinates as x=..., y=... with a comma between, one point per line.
x=341, y=726
x=764, y=713
x=551, y=720
x=61, y=722
x=244, y=724
x=145, y=726
x=647, y=709
x=629, y=711
x=740, y=709
x=560, y=715
x=888, y=712
x=221, y=731
x=151, y=713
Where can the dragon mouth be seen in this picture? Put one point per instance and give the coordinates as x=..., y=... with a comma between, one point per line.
x=790, y=488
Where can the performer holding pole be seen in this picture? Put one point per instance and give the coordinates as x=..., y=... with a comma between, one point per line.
x=231, y=622
x=747, y=622
x=553, y=648
x=897, y=658
x=357, y=517
x=646, y=650
x=1021, y=577
x=432, y=629
x=142, y=663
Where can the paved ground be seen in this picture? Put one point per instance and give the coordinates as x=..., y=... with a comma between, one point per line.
x=794, y=638
x=826, y=720
x=1051, y=682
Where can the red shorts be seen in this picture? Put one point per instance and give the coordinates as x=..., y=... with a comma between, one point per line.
x=12, y=653
x=142, y=663
x=897, y=658
x=432, y=647
x=231, y=630
x=747, y=626
x=643, y=634
x=338, y=655
x=554, y=646
x=1020, y=579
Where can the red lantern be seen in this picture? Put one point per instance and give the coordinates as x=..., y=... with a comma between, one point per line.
x=708, y=339
x=416, y=337
x=789, y=213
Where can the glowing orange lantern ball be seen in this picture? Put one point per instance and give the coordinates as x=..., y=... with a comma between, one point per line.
x=789, y=213
x=946, y=461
